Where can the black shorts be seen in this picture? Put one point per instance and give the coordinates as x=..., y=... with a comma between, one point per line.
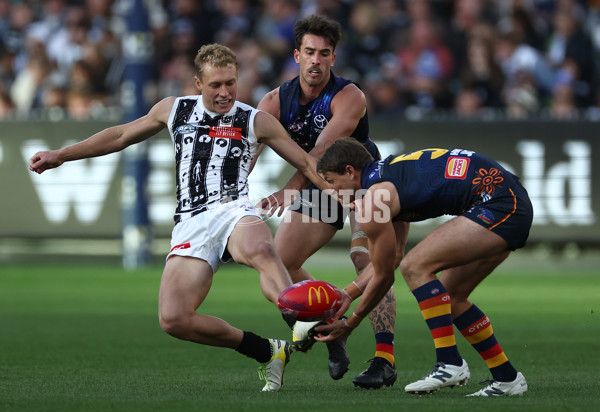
x=508, y=215
x=315, y=203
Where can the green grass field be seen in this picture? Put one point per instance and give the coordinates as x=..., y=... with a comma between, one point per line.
x=86, y=338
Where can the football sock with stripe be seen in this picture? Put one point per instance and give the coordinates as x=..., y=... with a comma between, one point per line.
x=255, y=347
x=475, y=326
x=434, y=302
x=384, y=346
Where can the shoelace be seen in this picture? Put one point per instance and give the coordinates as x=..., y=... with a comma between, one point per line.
x=488, y=382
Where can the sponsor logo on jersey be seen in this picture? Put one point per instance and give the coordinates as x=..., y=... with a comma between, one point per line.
x=186, y=128
x=224, y=132
x=320, y=121
x=486, y=216
x=457, y=167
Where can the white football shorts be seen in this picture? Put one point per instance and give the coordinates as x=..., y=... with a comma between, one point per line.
x=205, y=235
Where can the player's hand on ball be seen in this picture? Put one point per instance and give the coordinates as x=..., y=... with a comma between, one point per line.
x=335, y=331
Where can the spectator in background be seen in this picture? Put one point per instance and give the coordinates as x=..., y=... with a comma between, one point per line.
x=466, y=15
x=237, y=23
x=592, y=28
x=79, y=104
x=5, y=6
x=425, y=66
x=275, y=31
x=7, y=68
x=54, y=102
x=525, y=71
x=570, y=52
x=66, y=46
x=468, y=103
x=383, y=97
x=50, y=21
x=176, y=68
x=7, y=107
x=15, y=36
x=368, y=40
x=563, y=105
x=481, y=74
x=27, y=88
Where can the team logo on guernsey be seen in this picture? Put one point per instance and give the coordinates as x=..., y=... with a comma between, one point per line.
x=224, y=132
x=487, y=181
x=457, y=167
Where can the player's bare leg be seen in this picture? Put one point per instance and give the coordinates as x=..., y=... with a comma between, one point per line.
x=260, y=254
x=477, y=328
x=456, y=243
x=186, y=282
x=299, y=237
x=184, y=285
x=382, y=369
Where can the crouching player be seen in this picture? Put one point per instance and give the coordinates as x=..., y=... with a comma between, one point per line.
x=494, y=215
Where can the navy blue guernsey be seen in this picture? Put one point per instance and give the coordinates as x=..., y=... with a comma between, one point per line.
x=304, y=123
x=436, y=182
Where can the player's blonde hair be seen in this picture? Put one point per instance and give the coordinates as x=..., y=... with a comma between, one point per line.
x=215, y=54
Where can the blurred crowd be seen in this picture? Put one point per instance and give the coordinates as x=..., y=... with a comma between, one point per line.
x=414, y=58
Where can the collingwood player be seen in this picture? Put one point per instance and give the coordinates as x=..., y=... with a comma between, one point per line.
x=215, y=139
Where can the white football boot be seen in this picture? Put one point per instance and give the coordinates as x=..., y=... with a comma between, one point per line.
x=440, y=377
x=495, y=388
x=272, y=371
x=303, y=335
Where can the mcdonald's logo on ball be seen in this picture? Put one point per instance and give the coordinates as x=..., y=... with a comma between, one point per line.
x=310, y=300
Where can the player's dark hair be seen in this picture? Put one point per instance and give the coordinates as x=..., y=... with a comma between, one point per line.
x=319, y=26
x=215, y=54
x=343, y=152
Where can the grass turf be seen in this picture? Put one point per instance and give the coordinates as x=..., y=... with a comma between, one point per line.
x=86, y=338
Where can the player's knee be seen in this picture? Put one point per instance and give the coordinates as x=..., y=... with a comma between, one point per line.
x=175, y=324
x=264, y=250
x=409, y=270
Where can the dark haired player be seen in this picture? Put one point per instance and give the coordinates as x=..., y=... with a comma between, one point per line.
x=316, y=108
x=494, y=215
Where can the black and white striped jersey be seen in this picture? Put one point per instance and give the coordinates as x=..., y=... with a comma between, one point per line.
x=213, y=154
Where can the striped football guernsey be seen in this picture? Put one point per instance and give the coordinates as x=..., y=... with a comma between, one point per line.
x=213, y=154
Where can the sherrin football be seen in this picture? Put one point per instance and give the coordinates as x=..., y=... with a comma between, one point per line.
x=310, y=300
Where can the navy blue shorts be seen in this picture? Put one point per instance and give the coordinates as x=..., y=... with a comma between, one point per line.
x=508, y=215
x=318, y=205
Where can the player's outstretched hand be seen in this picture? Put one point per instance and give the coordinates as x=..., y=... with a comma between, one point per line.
x=277, y=202
x=42, y=161
x=337, y=330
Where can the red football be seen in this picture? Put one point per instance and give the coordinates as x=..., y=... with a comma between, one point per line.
x=310, y=300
